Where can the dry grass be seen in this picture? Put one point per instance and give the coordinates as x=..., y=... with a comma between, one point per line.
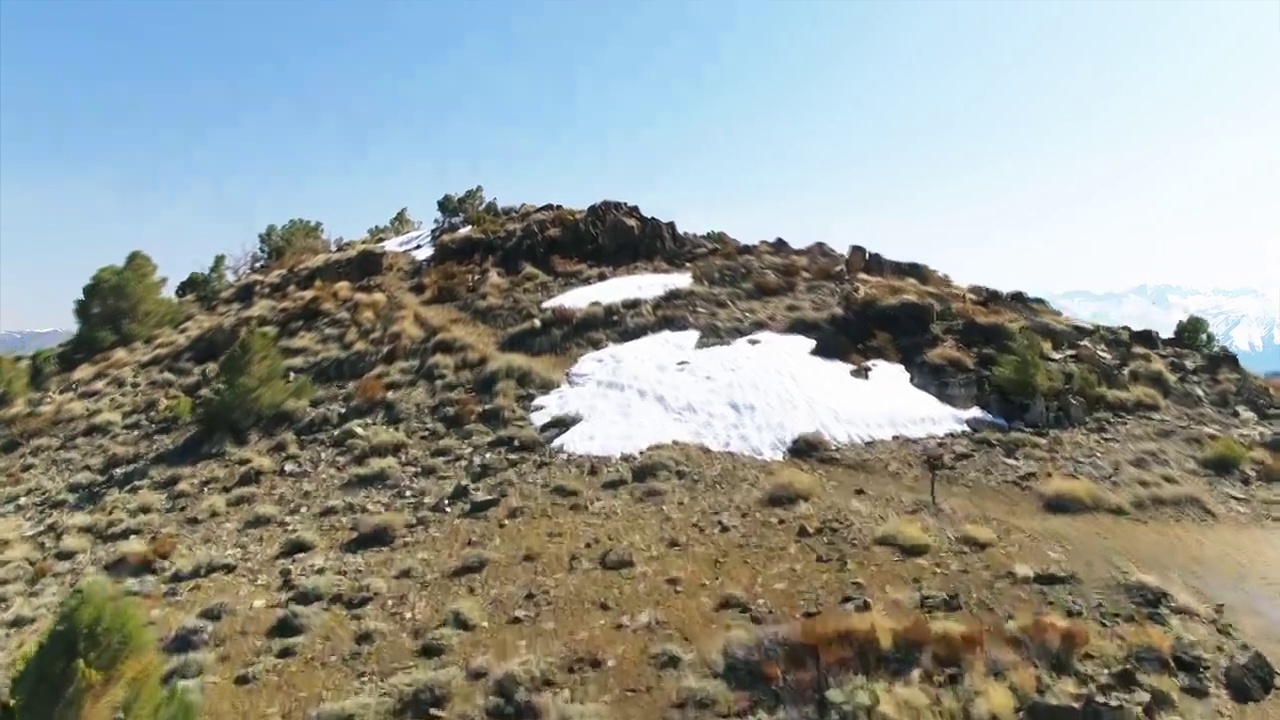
x=1224, y=456
x=788, y=485
x=1173, y=497
x=1068, y=495
x=977, y=537
x=907, y=536
x=950, y=356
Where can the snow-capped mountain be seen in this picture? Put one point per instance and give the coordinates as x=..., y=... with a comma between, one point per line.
x=1246, y=320
x=24, y=342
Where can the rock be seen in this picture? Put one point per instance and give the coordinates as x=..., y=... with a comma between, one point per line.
x=617, y=558
x=1037, y=414
x=1246, y=416
x=985, y=423
x=1075, y=410
x=482, y=504
x=1250, y=679
x=1090, y=709
x=1149, y=339
x=1149, y=660
x=1195, y=686
x=1272, y=443
x=289, y=623
x=940, y=602
x=1022, y=573
x=1187, y=658
x=1053, y=577
x=472, y=563
x=436, y=645
x=188, y=638
x=215, y=612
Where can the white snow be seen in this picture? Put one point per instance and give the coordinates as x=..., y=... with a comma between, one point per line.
x=646, y=286
x=419, y=243
x=751, y=397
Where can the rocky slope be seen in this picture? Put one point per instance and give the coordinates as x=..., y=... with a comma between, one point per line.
x=407, y=545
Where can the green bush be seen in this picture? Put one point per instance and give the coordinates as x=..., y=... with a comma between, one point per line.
x=469, y=208
x=15, y=380
x=1021, y=373
x=206, y=286
x=1085, y=384
x=400, y=224
x=252, y=387
x=98, y=660
x=296, y=239
x=121, y=304
x=1193, y=334
x=44, y=367
x=1224, y=456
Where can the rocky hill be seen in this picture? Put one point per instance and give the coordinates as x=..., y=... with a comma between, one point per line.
x=482, y=495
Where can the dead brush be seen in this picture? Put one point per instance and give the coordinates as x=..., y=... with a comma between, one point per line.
x=369, y=390
x=1051, y=640
x=800, y=660
x=402, y=333
x=445, y=283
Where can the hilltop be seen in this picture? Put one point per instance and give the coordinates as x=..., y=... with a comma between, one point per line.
x=423, y=474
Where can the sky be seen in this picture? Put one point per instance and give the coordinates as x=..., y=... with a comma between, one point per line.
x=1041, y=146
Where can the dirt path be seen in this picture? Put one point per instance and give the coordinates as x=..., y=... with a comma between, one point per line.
x=1234, y=564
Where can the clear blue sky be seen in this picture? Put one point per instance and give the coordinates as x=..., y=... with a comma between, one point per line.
x=1036, y=145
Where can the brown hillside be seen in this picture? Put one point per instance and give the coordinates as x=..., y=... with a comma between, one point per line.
x=404, y=544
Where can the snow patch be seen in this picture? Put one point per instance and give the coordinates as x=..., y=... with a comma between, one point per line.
x=419, y=243
x=646, y=286
x=751, y=397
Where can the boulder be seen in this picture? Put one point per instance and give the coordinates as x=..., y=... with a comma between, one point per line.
x=1250, y=679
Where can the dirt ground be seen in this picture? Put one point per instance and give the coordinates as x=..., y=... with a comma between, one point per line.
x=1230, y=563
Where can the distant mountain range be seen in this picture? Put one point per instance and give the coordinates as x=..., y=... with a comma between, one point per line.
x=1246, y=320
x=24, y=342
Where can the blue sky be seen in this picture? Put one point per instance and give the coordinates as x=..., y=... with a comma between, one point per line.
x=1035, y=145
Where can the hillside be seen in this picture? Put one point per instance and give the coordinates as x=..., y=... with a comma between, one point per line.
x=1245, y=320
x=500, y=499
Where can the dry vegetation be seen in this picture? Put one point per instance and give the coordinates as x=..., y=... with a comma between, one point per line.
x=402, y=541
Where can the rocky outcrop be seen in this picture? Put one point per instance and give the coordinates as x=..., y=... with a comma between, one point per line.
x=609, y=233
x=861, y=260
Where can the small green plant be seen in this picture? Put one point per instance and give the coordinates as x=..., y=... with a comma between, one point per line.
x=1224, y=456
x=1193, y=334
x=253, y=387
x=15, y=380
x=182, y=409
x=98, y=660
x=1021, y=373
